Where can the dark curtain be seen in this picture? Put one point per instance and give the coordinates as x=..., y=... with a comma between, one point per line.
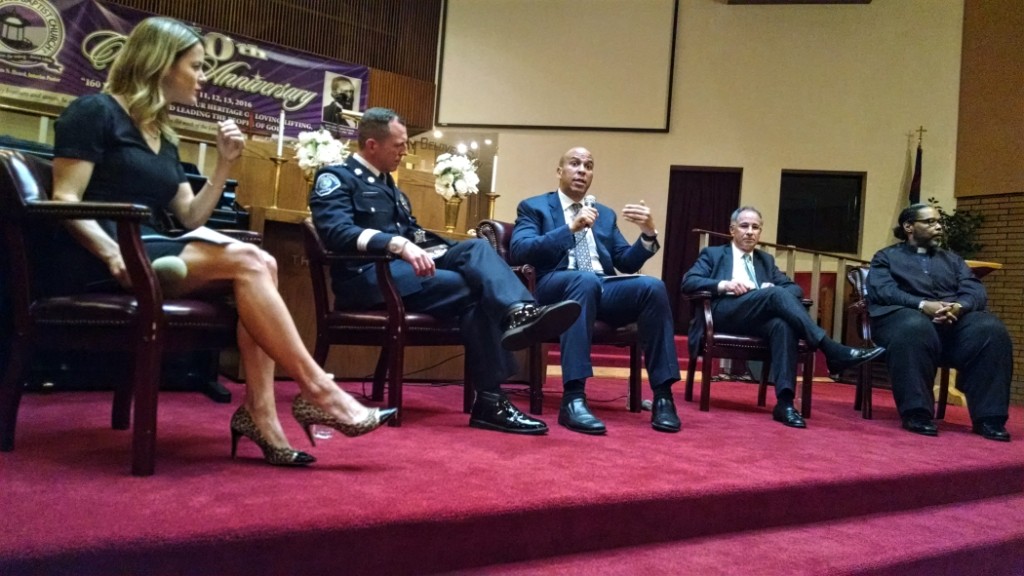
x=698, y=198
x=6, y=320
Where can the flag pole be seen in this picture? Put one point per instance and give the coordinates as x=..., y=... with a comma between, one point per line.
x=915, y=182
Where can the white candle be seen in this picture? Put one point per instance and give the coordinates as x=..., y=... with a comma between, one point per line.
x=280, y=136
x=44, y=129
x=201, y=161
x=494, y=174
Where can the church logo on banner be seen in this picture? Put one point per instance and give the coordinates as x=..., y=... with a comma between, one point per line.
x=31, y=36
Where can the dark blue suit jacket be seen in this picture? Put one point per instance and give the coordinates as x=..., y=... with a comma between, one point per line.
x=713, y=265
x=542, y=239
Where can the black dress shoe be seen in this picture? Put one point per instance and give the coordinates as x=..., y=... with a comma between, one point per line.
x=853, y=357
x=922, y=425
x=788, y=415
x=493, y=411
x=663, y=415
x=992, y=431
x=576, y=416
x=530, y=323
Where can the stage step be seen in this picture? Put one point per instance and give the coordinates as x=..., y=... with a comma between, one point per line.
x=436, y=495
x=983, y=537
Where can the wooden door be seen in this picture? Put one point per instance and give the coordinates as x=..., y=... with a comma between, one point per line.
x=698, y=197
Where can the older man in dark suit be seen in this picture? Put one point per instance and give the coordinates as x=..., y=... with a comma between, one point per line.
x=356, y=207
x=752, y=296
x=576, y=247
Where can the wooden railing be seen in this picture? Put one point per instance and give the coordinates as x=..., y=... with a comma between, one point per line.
x=818, y=260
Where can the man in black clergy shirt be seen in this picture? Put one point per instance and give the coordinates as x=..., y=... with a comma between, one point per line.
x=926, y=307
x=357, y=208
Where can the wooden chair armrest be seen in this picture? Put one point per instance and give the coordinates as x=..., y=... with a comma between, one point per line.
x=695, y=298
x=385, y=281
x=858, y=307
x=145, y=286
x=128, y=217
x=392, y=298
x=527, y=274
x=117, y=211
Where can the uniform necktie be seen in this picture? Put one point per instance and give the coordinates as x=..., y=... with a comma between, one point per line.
x=748, y=263
x=580, y=249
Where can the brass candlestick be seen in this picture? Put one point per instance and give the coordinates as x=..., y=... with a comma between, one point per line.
x=492, y=197
x=278, y=161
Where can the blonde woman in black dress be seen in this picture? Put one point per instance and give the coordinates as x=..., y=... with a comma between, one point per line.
x=118, y=146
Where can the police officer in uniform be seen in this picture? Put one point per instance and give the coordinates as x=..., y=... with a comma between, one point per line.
x=357, y=207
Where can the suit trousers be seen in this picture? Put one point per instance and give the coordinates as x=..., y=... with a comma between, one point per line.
x=776, y=315
x=978, y=346
x=474, y=283
x=617, y=301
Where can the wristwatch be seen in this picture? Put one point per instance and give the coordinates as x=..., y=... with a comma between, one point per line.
x=397, y=244
x=650, y=238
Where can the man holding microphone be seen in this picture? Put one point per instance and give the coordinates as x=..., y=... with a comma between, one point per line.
x=576, y=247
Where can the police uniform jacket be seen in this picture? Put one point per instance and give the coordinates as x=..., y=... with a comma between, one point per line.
x=356, y=211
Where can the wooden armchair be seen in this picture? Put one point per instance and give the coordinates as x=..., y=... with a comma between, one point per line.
x=392, y=328
x=499, y=234
x=140, y=322
x=717, y=345
x=858, y=279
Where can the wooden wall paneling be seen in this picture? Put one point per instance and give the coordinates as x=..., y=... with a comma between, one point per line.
x=255, y=173
x=427, y=205
x=412, y=99
x=396, y=39
x=991, y=120
x=399, y=36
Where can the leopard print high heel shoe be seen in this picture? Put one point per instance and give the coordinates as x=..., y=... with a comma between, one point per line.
x=308, y=415
x=242, y=424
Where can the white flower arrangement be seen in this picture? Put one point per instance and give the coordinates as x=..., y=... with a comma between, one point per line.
x=319, y=148
x=455, y=175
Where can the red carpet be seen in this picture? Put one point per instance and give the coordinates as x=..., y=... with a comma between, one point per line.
x=733, y=490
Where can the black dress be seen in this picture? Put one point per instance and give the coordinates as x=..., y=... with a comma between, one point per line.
x=95, y=128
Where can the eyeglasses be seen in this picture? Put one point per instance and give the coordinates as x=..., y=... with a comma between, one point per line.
x=928, y=221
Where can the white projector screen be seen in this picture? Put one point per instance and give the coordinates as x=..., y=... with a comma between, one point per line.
x=574, y=64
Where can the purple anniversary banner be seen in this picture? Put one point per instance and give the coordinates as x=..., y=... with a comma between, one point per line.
x=52, y=51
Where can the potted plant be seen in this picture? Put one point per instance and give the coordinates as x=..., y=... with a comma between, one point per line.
x=960, y=230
